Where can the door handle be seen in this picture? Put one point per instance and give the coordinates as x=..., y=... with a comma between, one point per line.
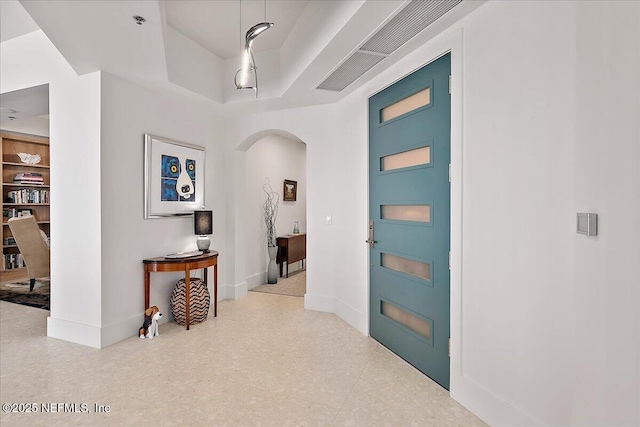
x=370, y=240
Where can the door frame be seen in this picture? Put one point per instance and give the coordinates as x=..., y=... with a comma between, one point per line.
x=432, y=50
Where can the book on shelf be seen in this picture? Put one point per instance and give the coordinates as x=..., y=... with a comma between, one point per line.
x=12, y=261
x=28, y=195
x=13, y=212
x=32, y=178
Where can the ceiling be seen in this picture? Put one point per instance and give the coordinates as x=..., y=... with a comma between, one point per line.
x=193, y=47
x=14, y=21
x=25, y=109
x=215, y=24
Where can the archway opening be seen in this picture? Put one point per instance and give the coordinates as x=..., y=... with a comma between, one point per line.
x=276, y=161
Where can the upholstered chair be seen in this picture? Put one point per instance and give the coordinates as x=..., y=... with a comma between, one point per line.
x=33, y=246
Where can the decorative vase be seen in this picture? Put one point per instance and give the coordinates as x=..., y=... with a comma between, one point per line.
x=272, y=269
x=296, y=230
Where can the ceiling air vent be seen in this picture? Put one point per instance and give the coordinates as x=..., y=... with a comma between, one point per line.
x=355, y=66
x=415, y=17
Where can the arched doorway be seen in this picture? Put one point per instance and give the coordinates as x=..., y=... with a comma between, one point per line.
x=272, y=158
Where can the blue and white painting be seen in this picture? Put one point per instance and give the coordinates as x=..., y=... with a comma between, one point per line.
x=178, y=179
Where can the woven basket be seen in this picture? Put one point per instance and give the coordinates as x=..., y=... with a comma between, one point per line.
x=199, y=299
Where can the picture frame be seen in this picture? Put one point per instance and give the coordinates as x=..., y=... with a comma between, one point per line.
x=174, y=175
x=290, y=190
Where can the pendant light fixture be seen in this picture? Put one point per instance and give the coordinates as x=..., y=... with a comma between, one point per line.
x=247, y=76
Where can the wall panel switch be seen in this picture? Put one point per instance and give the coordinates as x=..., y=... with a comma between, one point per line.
x=587, y=224
x=327, y=219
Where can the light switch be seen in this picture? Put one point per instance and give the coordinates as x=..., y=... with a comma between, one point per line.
x=587, y=224
x=327, y=219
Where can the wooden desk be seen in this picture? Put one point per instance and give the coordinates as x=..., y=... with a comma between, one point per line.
x=162, y=264
x=291, y=248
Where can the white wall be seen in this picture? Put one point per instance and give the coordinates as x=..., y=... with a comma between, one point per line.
x=606, y=288
x=518, y=217
x=128, y=112
x=74, y=102
x=276, y=158
x=547, y=331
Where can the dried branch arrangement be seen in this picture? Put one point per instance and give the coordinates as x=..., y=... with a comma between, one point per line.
x=270, y=211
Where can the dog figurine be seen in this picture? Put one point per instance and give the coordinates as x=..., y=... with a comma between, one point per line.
x=149, y=328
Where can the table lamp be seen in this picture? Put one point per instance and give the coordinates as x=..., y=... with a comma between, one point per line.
x=202, y=226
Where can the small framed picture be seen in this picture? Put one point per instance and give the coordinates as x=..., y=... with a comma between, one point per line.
x=290, y=191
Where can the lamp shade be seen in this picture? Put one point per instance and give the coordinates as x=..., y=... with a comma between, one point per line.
x=203, y=222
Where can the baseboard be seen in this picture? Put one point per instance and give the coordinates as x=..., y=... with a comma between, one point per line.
x=125, y=329
x=234, y=292
x=78, y=333
x=293, y=267
x=130, y=327
x=319, y=303
x=487, y=406
x=256, y=280
x=93, y=336
x=352, y=316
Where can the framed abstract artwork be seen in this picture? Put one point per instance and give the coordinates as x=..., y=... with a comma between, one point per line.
x=173, y=177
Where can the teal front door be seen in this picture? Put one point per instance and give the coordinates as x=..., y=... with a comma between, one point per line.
x=409, y=212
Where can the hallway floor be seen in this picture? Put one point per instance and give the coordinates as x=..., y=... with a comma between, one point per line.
x=264, y=361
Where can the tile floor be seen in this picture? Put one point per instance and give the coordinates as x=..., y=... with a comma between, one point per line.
x=264, y=361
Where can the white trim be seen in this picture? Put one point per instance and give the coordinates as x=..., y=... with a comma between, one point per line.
x=127, y=328
x=352, y=316
x=455, y=281
x=488, y=406
x=256, y=280
x=319, y=303
x=233, y=292
x=78, y=333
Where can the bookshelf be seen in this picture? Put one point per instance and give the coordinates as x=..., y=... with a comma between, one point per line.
x=25, y=189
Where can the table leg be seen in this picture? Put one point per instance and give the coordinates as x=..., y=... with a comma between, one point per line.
x=147, y=280
x=215, y=290
x=187, y=285
x=206, y=277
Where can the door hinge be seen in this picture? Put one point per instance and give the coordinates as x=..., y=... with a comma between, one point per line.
x=449, y=260
x=449, y=84
x=449, y=347
x=449, y=172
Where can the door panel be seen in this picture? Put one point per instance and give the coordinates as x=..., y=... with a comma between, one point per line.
x=409, y=298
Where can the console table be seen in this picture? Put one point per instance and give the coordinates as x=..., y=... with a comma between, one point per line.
x=162, y=264
x=291, y=248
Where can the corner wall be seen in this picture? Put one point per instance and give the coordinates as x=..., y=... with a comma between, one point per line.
x=74, y=109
